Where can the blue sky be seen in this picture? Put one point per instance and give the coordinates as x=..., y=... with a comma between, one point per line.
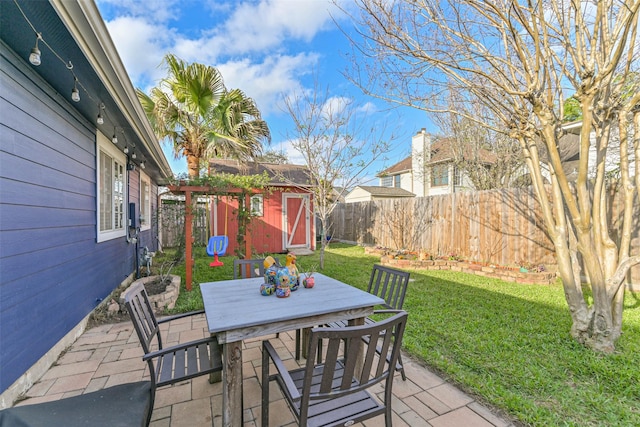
x=267, y=48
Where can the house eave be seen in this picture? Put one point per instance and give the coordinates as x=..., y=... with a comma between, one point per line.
x=85, y=24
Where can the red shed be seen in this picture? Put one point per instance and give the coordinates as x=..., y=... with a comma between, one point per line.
x=283, y=213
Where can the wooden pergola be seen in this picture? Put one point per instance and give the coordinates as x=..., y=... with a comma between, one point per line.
x=188, y=191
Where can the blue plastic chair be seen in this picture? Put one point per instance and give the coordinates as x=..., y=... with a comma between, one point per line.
x=216, y=247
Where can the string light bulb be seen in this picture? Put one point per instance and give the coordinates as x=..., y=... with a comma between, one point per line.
x=114, y=139
x=133, y=155
x=35, y=57
x=142, y=165
x=100, y=119
x=75, y=94
x=126, y=150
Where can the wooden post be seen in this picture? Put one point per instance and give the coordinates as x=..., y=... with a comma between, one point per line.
x=188, y=231
x=247, y=235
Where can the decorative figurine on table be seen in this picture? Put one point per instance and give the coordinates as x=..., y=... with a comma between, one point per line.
x=270, y=271
x=267, y=289
x=283, y=290
x=294, y=275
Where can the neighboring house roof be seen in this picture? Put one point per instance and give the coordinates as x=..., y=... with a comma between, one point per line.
x=442, y=151
x=280, y=174
x=386, y=191
x=340, y=192
x=402, y=166
x=569, y=149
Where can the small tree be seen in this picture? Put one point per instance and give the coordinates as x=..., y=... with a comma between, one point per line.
x=331, y=134
x=519, y=59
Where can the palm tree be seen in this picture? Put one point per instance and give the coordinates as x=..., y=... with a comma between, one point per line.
x=193, y=109
x=241, y=128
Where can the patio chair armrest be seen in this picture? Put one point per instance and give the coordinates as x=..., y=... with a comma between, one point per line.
x=388, y=311
x=292, y=391
x=179, y=316
x=166, y=350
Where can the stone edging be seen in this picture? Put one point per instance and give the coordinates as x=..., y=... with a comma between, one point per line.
x=165, y=300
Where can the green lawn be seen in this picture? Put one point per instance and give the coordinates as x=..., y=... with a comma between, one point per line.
x=506, y=343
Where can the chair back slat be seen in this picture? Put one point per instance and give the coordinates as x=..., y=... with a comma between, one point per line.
x=328, y=373
x=353, y=354
x=246, y=268
x=384, y=349
x=389, y=284
x=369, y=360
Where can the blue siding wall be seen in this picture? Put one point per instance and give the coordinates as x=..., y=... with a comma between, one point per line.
x=52, y=271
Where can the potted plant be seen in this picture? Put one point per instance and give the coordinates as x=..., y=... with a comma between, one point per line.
x=309, y=281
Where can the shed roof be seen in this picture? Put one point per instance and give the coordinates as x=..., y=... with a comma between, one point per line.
x=279, y=174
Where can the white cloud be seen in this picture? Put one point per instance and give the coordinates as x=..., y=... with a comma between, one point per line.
x=141, y=47
x=266, y=82
x=286, y=147
x=335, y=105
x=153, y=11
x=263, y=33
x=368, y=108
x=255, y=27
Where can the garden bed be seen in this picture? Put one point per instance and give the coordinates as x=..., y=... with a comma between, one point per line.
x=508, y=274
x=160, y=301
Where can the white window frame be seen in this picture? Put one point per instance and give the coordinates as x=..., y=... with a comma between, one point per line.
x=257, y=205
x=145, y=205
x=440, y=175
x=457, y=177
x=104, y=145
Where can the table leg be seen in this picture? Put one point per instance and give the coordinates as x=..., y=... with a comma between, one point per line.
x=232, y=403
x=215, y=377
x=304, y=342
x=359, y=361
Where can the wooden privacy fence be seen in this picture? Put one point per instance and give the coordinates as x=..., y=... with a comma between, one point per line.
x=171, y=226
x=498, y=226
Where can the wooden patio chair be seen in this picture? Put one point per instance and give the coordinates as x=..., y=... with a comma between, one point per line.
x=169, y=365
x=389, y=284
x=334, y=392
x=246, y=268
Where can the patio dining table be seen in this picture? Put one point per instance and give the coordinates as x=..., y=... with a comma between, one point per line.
x=235, y=311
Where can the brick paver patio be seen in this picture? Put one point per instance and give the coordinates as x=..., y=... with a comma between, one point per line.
x=111, y=354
